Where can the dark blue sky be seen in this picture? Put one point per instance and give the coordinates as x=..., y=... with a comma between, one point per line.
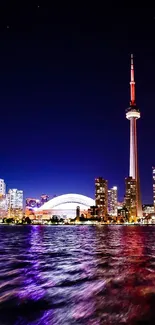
x=64, y=88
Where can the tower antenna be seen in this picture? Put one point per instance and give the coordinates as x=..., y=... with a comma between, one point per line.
x=132, y=85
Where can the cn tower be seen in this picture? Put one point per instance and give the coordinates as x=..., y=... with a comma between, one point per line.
x=132, y=114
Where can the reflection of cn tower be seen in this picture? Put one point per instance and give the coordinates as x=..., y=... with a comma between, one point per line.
x=133, y=114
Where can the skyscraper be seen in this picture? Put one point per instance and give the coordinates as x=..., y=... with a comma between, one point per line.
x=112, y=201
x=3, y=203
x=132, y=114
x=2, y=187
x=44, y=198
x=33, y=203
x=131, y=197
x=101, y=195
x=15, y=203
x=153, y=174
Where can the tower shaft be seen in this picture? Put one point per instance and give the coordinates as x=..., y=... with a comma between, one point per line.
x=133, y=148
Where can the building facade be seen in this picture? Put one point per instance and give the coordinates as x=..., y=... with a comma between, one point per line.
x=33, y=203
x=15, y=203
x=44, y=198
x=2, y=187
x=148, y=209
x=101, y=196
x=153, y=176
x=131, y=198
x=3, y=203
x=112, y=201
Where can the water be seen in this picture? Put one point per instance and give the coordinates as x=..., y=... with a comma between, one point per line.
x=77, y=275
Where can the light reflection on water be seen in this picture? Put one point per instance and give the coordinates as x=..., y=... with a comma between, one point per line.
x=77, y=275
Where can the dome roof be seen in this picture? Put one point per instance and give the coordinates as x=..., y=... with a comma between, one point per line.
x=67, y=201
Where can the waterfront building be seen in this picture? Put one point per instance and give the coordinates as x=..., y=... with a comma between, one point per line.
x=15, y=203
x=2, y=187
x=112, y=201
x=123, y=214
x=44, y=198
x=101, y=196
x=148, y=209
x=33, y=203
x=153, y=176
x=94, y=212
x=131, y=197
x=132, y=114
x=77, y=213
x=3, y=206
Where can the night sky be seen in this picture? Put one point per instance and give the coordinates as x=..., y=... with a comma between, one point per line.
x=64, y=88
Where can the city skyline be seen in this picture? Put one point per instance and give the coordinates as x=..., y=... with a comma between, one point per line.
x=64, y=88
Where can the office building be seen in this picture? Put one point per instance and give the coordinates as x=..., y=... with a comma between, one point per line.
x=101, y=196
x=3, y=206
x=15, y=203
x=131, y=197
x=2, y=187
x=148, y=209
x=153, y=175
x=33, y=203
x=44, y=198
x=132, y=114
x=112, y=201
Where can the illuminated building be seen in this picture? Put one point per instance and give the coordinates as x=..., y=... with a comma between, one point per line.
x=101, y=195
x=77, y=213
x=153, y=174
x=65, y=206
x=3, y=205
x=32, y=203
x=2, y=187
x=112, y=201
x=148, y=209
x=120, y=205
x=131, y=197
x=132, y=114
x=123, y=213
x=44, y=199
x=94, y=212
x=15, y=203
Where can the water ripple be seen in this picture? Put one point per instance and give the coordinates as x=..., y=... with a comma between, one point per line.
x=77, y=275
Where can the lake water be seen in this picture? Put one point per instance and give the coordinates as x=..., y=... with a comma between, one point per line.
x=77, y=275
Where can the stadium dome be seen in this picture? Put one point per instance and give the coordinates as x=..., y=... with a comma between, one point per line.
x=65, y=205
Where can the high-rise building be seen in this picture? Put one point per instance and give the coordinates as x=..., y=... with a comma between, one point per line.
x=131, y=197
x=15, y=203
x=153, y=174
x=3, y=206
x=2, y=187
x=33, y=203
x=101, y=195
x=112, y=201
x=132, y=114
x=44, y=198
x=148, y=209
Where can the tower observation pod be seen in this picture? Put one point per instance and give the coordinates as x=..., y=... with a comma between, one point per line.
x=132, y=114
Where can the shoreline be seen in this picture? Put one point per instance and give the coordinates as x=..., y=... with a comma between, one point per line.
x=78, y=224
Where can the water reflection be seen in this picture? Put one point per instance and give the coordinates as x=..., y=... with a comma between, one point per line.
x=77, y=275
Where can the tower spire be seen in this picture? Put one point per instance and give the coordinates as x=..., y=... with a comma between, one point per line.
x=132, y=85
